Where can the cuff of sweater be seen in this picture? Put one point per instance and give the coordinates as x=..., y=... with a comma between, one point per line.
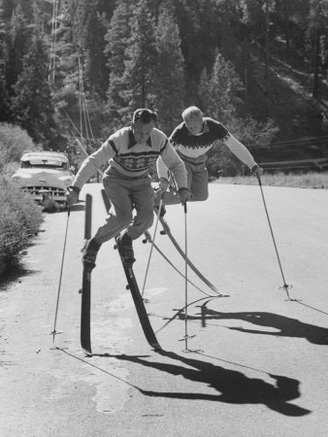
x=75, y=189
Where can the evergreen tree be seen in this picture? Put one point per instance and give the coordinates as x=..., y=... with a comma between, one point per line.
x=107, y=7
x=96, y=73
x=117, y=38
x=199, y=25
x=316, y=32
x=32, y=105
x=220, y=101
x=81, y=75
x=19, y=36
x=139, y=74
x=80, y=17
x=219, y=91
x=169, y=84
x=289, y=19
x=4, y=97
x=66, y=74
x=7, y=7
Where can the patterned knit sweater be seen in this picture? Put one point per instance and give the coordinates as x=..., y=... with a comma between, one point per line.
x=193, y=148
x=131, y=159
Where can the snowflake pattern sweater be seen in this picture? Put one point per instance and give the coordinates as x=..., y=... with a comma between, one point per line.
x=131, y=159
x=193, y=148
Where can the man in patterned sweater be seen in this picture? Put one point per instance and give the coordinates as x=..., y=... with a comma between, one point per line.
x=131, y=152
x=192, y=139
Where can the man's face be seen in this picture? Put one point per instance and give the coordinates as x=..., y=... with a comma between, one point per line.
x=142, y=131
x=194, y=124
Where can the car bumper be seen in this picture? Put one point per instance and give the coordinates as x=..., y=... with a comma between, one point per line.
x=54, y=193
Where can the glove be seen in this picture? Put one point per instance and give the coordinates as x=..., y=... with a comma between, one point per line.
x=185, y=195
x=257, y=170
x=72, y=196
x=163, y=185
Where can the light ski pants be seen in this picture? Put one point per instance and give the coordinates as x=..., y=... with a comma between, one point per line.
x=197, y=177
x=132, y=206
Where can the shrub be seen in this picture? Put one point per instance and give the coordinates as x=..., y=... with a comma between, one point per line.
x=14, y=141
x=20, y=219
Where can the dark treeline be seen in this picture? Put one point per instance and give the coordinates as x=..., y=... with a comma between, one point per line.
x=79, y=68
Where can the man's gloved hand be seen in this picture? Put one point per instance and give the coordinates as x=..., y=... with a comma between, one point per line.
x=163, y=185
x=72, y=196
x=185, y=195
x=257, y=170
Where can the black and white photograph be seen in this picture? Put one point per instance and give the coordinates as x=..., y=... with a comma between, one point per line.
x=163, y=218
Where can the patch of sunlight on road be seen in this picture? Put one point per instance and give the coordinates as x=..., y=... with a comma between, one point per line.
x=102, y=371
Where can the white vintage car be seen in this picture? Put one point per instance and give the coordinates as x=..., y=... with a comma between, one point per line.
x=44, y=173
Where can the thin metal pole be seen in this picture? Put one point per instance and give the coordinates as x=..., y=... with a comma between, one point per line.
x=186, y=277
x=285, y=286
x=152, y=245
x=54, y=332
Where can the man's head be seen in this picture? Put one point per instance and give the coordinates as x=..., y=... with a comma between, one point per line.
x=143, y=122
x=193, y=118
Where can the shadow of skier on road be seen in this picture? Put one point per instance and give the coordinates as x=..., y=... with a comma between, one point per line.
x=234, y=387
x=285, y=326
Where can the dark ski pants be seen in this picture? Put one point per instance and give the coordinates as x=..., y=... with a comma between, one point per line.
x=132, y=206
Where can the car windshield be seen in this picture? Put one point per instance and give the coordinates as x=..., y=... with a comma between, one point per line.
x=44, y=164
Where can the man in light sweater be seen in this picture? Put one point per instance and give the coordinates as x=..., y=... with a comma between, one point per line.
x=131, y=153
x=192, y=139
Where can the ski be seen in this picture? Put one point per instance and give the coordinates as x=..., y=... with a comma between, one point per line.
x=148, y=239
x=167, y=231
x=134, y=289
x=86, y=286
x=138, y=302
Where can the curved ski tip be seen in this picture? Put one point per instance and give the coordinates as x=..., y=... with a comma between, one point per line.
x=157, y=347
x=87, y=352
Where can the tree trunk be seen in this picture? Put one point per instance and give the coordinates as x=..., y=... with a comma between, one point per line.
x=315, y=89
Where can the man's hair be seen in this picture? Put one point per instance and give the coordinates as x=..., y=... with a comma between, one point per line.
x=191, y=112
x=144, y=115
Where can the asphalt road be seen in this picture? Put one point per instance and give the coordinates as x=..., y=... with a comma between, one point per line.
x=255, y=363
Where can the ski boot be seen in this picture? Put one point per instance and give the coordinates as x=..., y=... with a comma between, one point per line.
x=89, y=253
x=124, y=243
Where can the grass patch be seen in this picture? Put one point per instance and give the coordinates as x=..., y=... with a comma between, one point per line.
x=318, y=180
x=20, y=219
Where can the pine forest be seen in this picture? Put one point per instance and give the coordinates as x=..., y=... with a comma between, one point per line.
x=73, y=71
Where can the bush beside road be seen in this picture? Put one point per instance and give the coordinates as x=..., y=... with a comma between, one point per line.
x=20, y=219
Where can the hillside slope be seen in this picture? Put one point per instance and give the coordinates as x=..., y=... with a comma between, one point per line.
x=283, y=92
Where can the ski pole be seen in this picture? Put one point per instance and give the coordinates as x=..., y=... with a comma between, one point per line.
x=152, y=243
x=186, y=277
x=186, y=335
x=54, y=332
x=285, y=286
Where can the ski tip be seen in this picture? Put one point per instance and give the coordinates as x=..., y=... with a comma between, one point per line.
x=87, y=352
